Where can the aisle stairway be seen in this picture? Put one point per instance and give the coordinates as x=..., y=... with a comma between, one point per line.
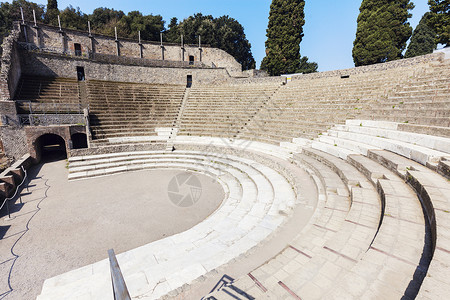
x=128, y=110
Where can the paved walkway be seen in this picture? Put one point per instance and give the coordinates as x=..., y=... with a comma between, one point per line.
x=72, y=224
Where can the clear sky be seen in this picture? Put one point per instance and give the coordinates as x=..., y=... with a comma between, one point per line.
x=329, y=30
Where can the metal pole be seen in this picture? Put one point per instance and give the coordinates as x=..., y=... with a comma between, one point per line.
x=21, y=13
x=89, y=27
x=59, y=23
x=34, y=17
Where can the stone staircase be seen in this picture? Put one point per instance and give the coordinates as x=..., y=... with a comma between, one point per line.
x=131, y=110
x=222, y=110
x=47, y=95
x=176, y=125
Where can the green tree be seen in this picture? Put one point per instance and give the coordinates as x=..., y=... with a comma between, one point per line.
x=224, y=33
x=284, y=35
x=103, y=20
x=51, y=15
x=171, y=34
x=72, y=18
x=306, y=66
x=440, y=20
x=150, y=26
x=422, y=39
x=382, y=31
x=10, y=12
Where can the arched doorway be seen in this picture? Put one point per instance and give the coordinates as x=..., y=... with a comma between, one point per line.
x=50, y=147
x=79, y=140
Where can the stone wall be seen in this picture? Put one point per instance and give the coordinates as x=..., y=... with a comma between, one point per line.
x=14, y=141
x=56, y=65
x=10, y=66
x=406, y=62
x=51, y=39
x=260, y=80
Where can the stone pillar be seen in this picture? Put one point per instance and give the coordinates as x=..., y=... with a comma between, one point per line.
x=141, y=47
x=63, y=41
x=182, y=49
x=38, y=36
x=200, y=48
x=118, y=47
x=25, y=32
x=162, y=47
x=92, y=44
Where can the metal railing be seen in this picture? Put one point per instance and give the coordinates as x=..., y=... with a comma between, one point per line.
x=45, y=114
x=6, y=201
x=49, y=108
x=118, y=283
x=51, y=119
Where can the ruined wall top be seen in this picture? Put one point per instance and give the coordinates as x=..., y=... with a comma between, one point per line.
x=74, y=42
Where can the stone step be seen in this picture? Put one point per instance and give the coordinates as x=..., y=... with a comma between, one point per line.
x=433, y=142
x=415, y=152
x=434, y=191
x=388, y=246
x=309, y=265
x=252, y=215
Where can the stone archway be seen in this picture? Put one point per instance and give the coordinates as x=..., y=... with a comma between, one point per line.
x=35, y=142
x=50, y=147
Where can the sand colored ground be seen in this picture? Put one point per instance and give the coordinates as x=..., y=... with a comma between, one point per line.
x=72, y=224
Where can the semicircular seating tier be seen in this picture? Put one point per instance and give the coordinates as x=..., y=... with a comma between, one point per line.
x=374, y=146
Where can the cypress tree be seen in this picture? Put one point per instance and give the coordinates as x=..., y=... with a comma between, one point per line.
x=422, y=39
x=382, y=31
x=284, y=34
x=51, y=15
x=440, y=20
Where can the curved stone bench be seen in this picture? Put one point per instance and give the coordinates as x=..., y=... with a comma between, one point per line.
x=248, y=216
x=434, y=191
x=337, y=235
x=360, y=136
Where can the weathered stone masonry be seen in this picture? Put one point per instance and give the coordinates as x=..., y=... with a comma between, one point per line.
x=52, y=39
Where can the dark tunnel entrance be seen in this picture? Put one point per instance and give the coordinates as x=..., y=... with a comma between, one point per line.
x=79, y=141
x=50, y=147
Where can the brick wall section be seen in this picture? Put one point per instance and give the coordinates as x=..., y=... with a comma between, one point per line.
x=46, y=64
x=49, y=37
x=14, y=141
x=376, y=67
x=34, y=132
x=10, y=66
x=12, y=136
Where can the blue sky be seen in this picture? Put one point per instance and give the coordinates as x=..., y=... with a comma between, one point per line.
x=329, y=30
